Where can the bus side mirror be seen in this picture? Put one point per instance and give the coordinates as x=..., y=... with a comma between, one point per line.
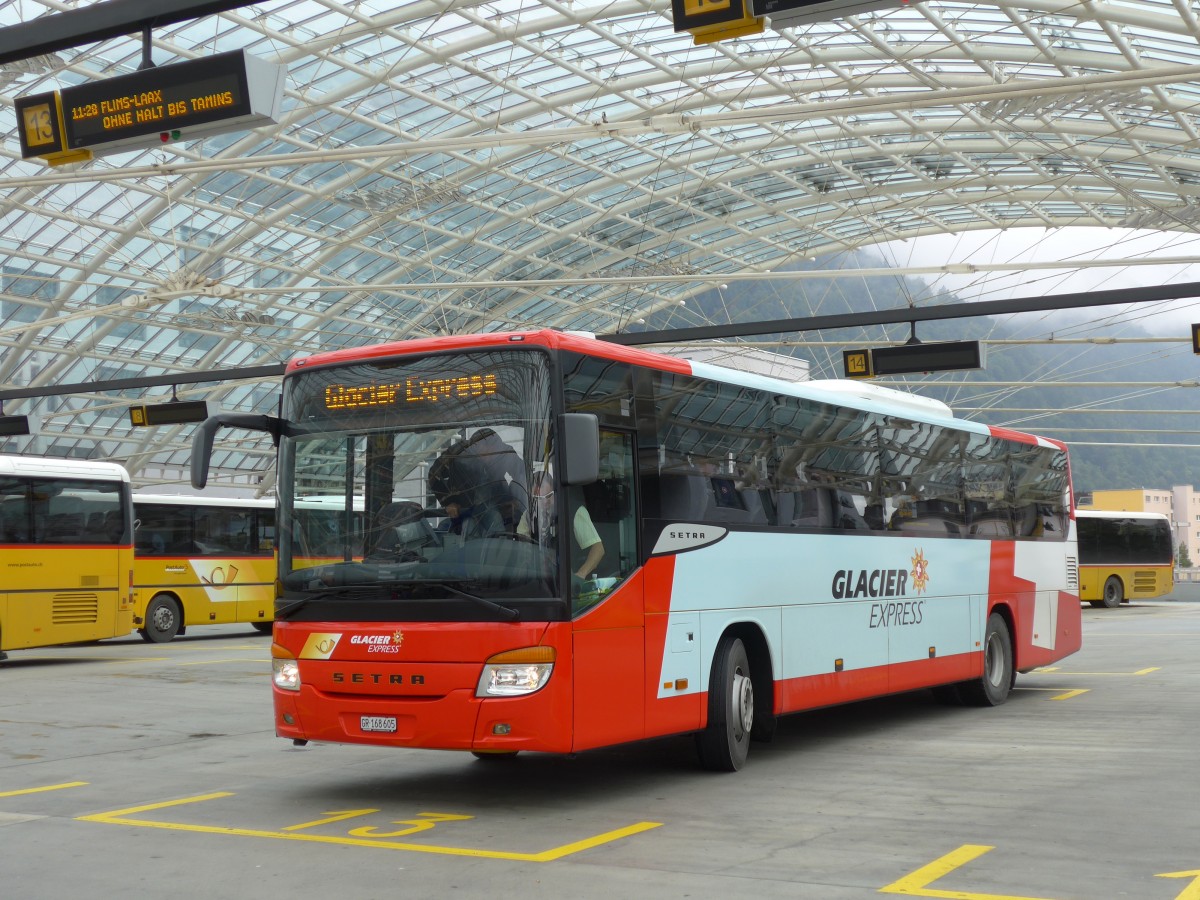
x=580, y=436
x=202, y=438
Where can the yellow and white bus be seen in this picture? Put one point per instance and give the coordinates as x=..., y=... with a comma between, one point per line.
x=66, y=552
x=1124, y=556
x=202, y=561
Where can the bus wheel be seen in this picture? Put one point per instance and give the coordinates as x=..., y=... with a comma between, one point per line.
x=162, y=620
x=263, y=627
x=1114, y=592
x=723, y=745
x=997, y=680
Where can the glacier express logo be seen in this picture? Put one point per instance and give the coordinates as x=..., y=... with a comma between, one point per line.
x=380, y=643
x=920, y=572
x=893, y=588
x=853, y=584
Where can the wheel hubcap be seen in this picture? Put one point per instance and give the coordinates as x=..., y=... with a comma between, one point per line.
x=743, y=703
x=995, y=661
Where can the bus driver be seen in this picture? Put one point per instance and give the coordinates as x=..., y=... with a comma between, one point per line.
x=540, y=526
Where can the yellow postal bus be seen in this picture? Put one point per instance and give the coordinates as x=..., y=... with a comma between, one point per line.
x=66, y=552
x=202, y=561
x=1124, y=556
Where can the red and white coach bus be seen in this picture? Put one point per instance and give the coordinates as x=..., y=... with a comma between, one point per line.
x=767, y=547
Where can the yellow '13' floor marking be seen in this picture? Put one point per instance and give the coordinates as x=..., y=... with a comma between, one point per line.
x=916, y=884
x=123, y=817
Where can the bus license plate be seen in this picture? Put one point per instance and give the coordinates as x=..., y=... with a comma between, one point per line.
x=378, y=723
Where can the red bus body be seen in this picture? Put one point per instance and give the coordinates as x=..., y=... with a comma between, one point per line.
x=823, y=617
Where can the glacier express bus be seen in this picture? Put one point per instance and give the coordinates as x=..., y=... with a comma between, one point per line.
x=202, y=561
x=66, y=552
x=767, y=547
x=1124, y=556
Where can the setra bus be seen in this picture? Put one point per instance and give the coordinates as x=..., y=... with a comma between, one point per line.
x=767, y=547
x=1124, y=556
x=66, y=552
x=202, y=561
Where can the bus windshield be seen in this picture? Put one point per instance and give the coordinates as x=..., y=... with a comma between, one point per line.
x=409, y=480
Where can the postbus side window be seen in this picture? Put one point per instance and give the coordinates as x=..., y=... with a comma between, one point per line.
x=14, y=511
x=264, y=532
x=79, y=512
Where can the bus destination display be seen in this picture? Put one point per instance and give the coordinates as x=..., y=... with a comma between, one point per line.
x=410, y=390
x=226, y=92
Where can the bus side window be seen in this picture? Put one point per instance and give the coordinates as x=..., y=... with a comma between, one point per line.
x=609, y=503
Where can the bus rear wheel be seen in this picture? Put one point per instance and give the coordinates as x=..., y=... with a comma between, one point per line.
x=162, y=620
x=1114, y=592
x=992, y=688
x=724, y=744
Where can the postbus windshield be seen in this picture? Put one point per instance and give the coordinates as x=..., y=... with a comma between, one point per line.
x=408, y=480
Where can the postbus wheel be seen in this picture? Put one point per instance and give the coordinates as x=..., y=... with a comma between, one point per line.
x=163, y=619
x=1114, y=592
x=263, y=627
x=992, y=688
x=723, y=745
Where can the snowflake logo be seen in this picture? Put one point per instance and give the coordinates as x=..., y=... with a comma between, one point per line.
x=920, y=571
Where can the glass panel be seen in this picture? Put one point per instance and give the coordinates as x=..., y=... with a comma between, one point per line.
x=15, y=527
x=417, y=471
x=827, y=466
x=922, y=476
x=164, y=529
x=78, y=512
x=606, y=507
x=712, y=455
x=221, y=531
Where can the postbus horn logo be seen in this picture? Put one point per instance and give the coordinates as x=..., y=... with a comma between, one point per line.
x=218, y=578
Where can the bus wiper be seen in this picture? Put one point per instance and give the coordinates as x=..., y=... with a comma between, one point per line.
x=353, y=592
x=359, y=592
x=506, y=612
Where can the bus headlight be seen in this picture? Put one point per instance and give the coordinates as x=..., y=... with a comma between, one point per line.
x=286, y=669
x=516, y=672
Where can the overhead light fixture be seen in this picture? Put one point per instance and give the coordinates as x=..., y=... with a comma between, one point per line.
x=177, y=412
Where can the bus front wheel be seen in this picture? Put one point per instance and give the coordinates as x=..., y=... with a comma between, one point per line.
x=162, y=620
x=723, y=745
x=1114, y=592
x=993, y=687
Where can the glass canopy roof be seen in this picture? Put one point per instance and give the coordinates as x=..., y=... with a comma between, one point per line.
x=448, y=166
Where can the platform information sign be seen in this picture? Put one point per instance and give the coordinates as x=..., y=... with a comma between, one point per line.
x=228, y=92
